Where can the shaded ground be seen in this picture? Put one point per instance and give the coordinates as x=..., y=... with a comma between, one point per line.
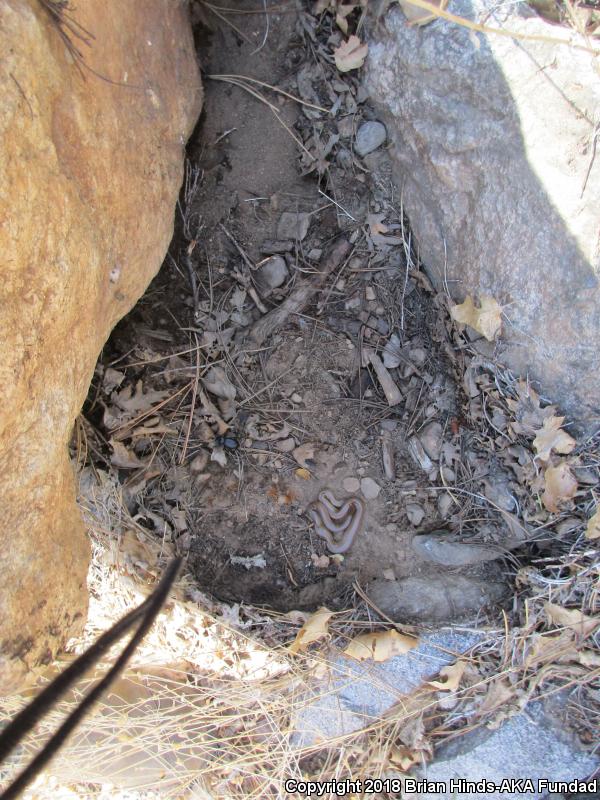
x=222, y=443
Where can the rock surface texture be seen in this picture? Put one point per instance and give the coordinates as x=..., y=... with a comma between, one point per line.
x=91, y=163
x=492, y=140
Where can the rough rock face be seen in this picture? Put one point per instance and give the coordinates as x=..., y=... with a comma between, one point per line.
x=90, y=170
x=492, y=144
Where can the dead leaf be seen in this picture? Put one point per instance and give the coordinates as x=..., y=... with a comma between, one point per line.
x=350, y=54
x=526, y=409
x=550, y=437
x=450, y=677
x=420, y=16
x=498, y=694
x=375, y=223
x=560, y=485
x=486, y=320
x=315, y=628
x=403, y=758
x=340, y=17
x=123, y=458
x=303, y=474
x=112, y=379
x=550, y=648
x=140, y=401
x=571, y=618
x=380, y=646
x=217, y=383
x=593, y=527
x=304, y=453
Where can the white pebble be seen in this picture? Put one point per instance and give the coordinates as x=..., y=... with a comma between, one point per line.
x=351, y=485
x=369, y=488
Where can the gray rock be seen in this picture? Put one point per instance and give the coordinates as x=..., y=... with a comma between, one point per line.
x=369, y=137
x=272, y=273
x=435, y=547
x=431, y=439
x=535, y=744
x=293, y=225
x=438, y=598
x=492, y=148
x=355, y=694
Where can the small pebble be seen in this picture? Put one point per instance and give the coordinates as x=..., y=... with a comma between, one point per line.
x=293, y=226
x=352, y=303
x=415, y=514
x=296, y=398
x=448, y=474
x=315, y=254
x=273, y=272
x=369, y=488
x=391, y=352
x=444, y=505
x=369, y=137
x=417, y=355
x=351, y=485
x=415, y=448
x=370, y=293
x=431, y=439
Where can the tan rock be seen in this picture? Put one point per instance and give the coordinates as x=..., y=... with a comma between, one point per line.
x=90, y=170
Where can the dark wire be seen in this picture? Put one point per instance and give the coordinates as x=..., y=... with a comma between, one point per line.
x=25, y=720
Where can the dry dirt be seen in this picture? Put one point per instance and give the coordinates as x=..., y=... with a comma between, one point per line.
x=241, y=518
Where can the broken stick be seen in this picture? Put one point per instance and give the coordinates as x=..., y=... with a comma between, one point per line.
x=301, y=294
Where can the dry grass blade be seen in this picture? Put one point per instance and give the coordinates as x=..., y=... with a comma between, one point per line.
x=242, y=78
x=435, y=11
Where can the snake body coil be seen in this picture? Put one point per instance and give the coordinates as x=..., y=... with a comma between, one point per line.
x=337, y=521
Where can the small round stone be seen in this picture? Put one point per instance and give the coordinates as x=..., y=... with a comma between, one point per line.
x=369, y=488
x=369, y=137
x=351, y=485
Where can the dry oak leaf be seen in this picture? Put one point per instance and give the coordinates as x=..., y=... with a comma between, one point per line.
x=315, y=628
x=560, y=485
x=487, y=319
x=571, y=618
x=450, y=677
x=593, y=527
x=550, y=437
x=123, y=458
x=350, y=54
x=380, y=646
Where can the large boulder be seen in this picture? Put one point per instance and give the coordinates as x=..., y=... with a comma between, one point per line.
x=91, y=160
x=493, y=144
